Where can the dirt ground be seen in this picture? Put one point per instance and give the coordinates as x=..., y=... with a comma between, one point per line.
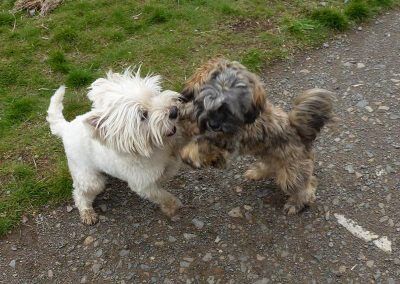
x=358, y=165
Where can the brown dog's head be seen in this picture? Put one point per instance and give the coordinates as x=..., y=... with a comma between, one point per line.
x=226, y=96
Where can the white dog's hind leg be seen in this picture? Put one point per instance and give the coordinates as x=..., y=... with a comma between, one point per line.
x=86, y=188
x=168, y=202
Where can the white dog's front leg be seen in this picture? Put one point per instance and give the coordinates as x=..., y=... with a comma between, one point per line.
x=170, y=170
x=168, y=202
x=85, y=191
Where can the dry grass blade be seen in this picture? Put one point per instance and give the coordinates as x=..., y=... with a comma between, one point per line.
x=43, y=6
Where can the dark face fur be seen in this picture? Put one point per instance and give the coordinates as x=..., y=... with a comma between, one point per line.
x=225, y=103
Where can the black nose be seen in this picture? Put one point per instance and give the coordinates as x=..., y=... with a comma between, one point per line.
x=214, y=125
x=173, y=113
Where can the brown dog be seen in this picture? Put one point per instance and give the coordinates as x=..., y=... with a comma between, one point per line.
x=229, y=105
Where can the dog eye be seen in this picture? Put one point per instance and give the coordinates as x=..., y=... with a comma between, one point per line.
x=144, y=116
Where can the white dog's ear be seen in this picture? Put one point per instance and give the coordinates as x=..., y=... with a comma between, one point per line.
x=122, y=127
x=95, y=123
x=93, y=120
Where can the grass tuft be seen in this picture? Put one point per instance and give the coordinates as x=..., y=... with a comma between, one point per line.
x=79, y=78
x=6, y=19
x=20, y=109
x=8, y=75
x=227, y=9
x=66, y=35
x=302, y=26
x=358, y=11
x=331, y=18
x=253, y=60
x=58, y=62
x=156, y=15
x=381, y=3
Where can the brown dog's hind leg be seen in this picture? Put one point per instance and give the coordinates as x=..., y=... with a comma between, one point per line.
x=299, y=183
x=301, y=198
x=259, y=171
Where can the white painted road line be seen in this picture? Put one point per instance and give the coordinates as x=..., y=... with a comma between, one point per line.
x=382, y=243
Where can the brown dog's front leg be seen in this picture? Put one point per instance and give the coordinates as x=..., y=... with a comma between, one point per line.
x=201, y=153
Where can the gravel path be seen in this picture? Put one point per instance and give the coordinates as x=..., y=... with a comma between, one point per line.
x=235, y=231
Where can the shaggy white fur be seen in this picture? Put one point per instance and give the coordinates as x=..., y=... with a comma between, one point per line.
x=130, y=134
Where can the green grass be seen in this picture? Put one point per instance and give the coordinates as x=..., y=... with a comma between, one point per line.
x=81, y=40
x=254, y=60
x=58, y=62
x=332, y=18
x=6, y=19
x=79, y=78
x=358, y=11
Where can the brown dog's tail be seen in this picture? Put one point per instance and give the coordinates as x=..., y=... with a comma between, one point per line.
x=311, y=111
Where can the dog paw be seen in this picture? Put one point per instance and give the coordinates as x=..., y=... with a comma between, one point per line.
x=199, y=154
x=292, y=209
x=170, y=206
x=253, y=174
x=190, y=156
x=88, y=216
x=217, y=161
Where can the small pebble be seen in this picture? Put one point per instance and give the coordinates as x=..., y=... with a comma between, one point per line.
x=349, y=169
x=304, y=71
x=184, y=264
x=360, y=65
x=99, y=253
x=260, y=257
x=369, y=109
x=103, y=208
x=207, y=257
x=197, y=223
x=235, y=213
x=96, y=268
x=88, y=241
x=124, y=252
x=189, y=236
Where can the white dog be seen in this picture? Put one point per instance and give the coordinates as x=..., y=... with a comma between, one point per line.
x=130, y=134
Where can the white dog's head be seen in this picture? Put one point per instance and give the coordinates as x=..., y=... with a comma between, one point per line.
x=132, y=114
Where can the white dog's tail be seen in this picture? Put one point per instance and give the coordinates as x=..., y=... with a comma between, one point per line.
x=55, y=116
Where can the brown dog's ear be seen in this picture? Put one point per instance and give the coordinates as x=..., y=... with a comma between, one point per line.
x=187, y=94
x=259, y=98
x=201, y=76
x=259, y=94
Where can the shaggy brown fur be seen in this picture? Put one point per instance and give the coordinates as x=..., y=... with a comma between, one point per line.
x=281, y=141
